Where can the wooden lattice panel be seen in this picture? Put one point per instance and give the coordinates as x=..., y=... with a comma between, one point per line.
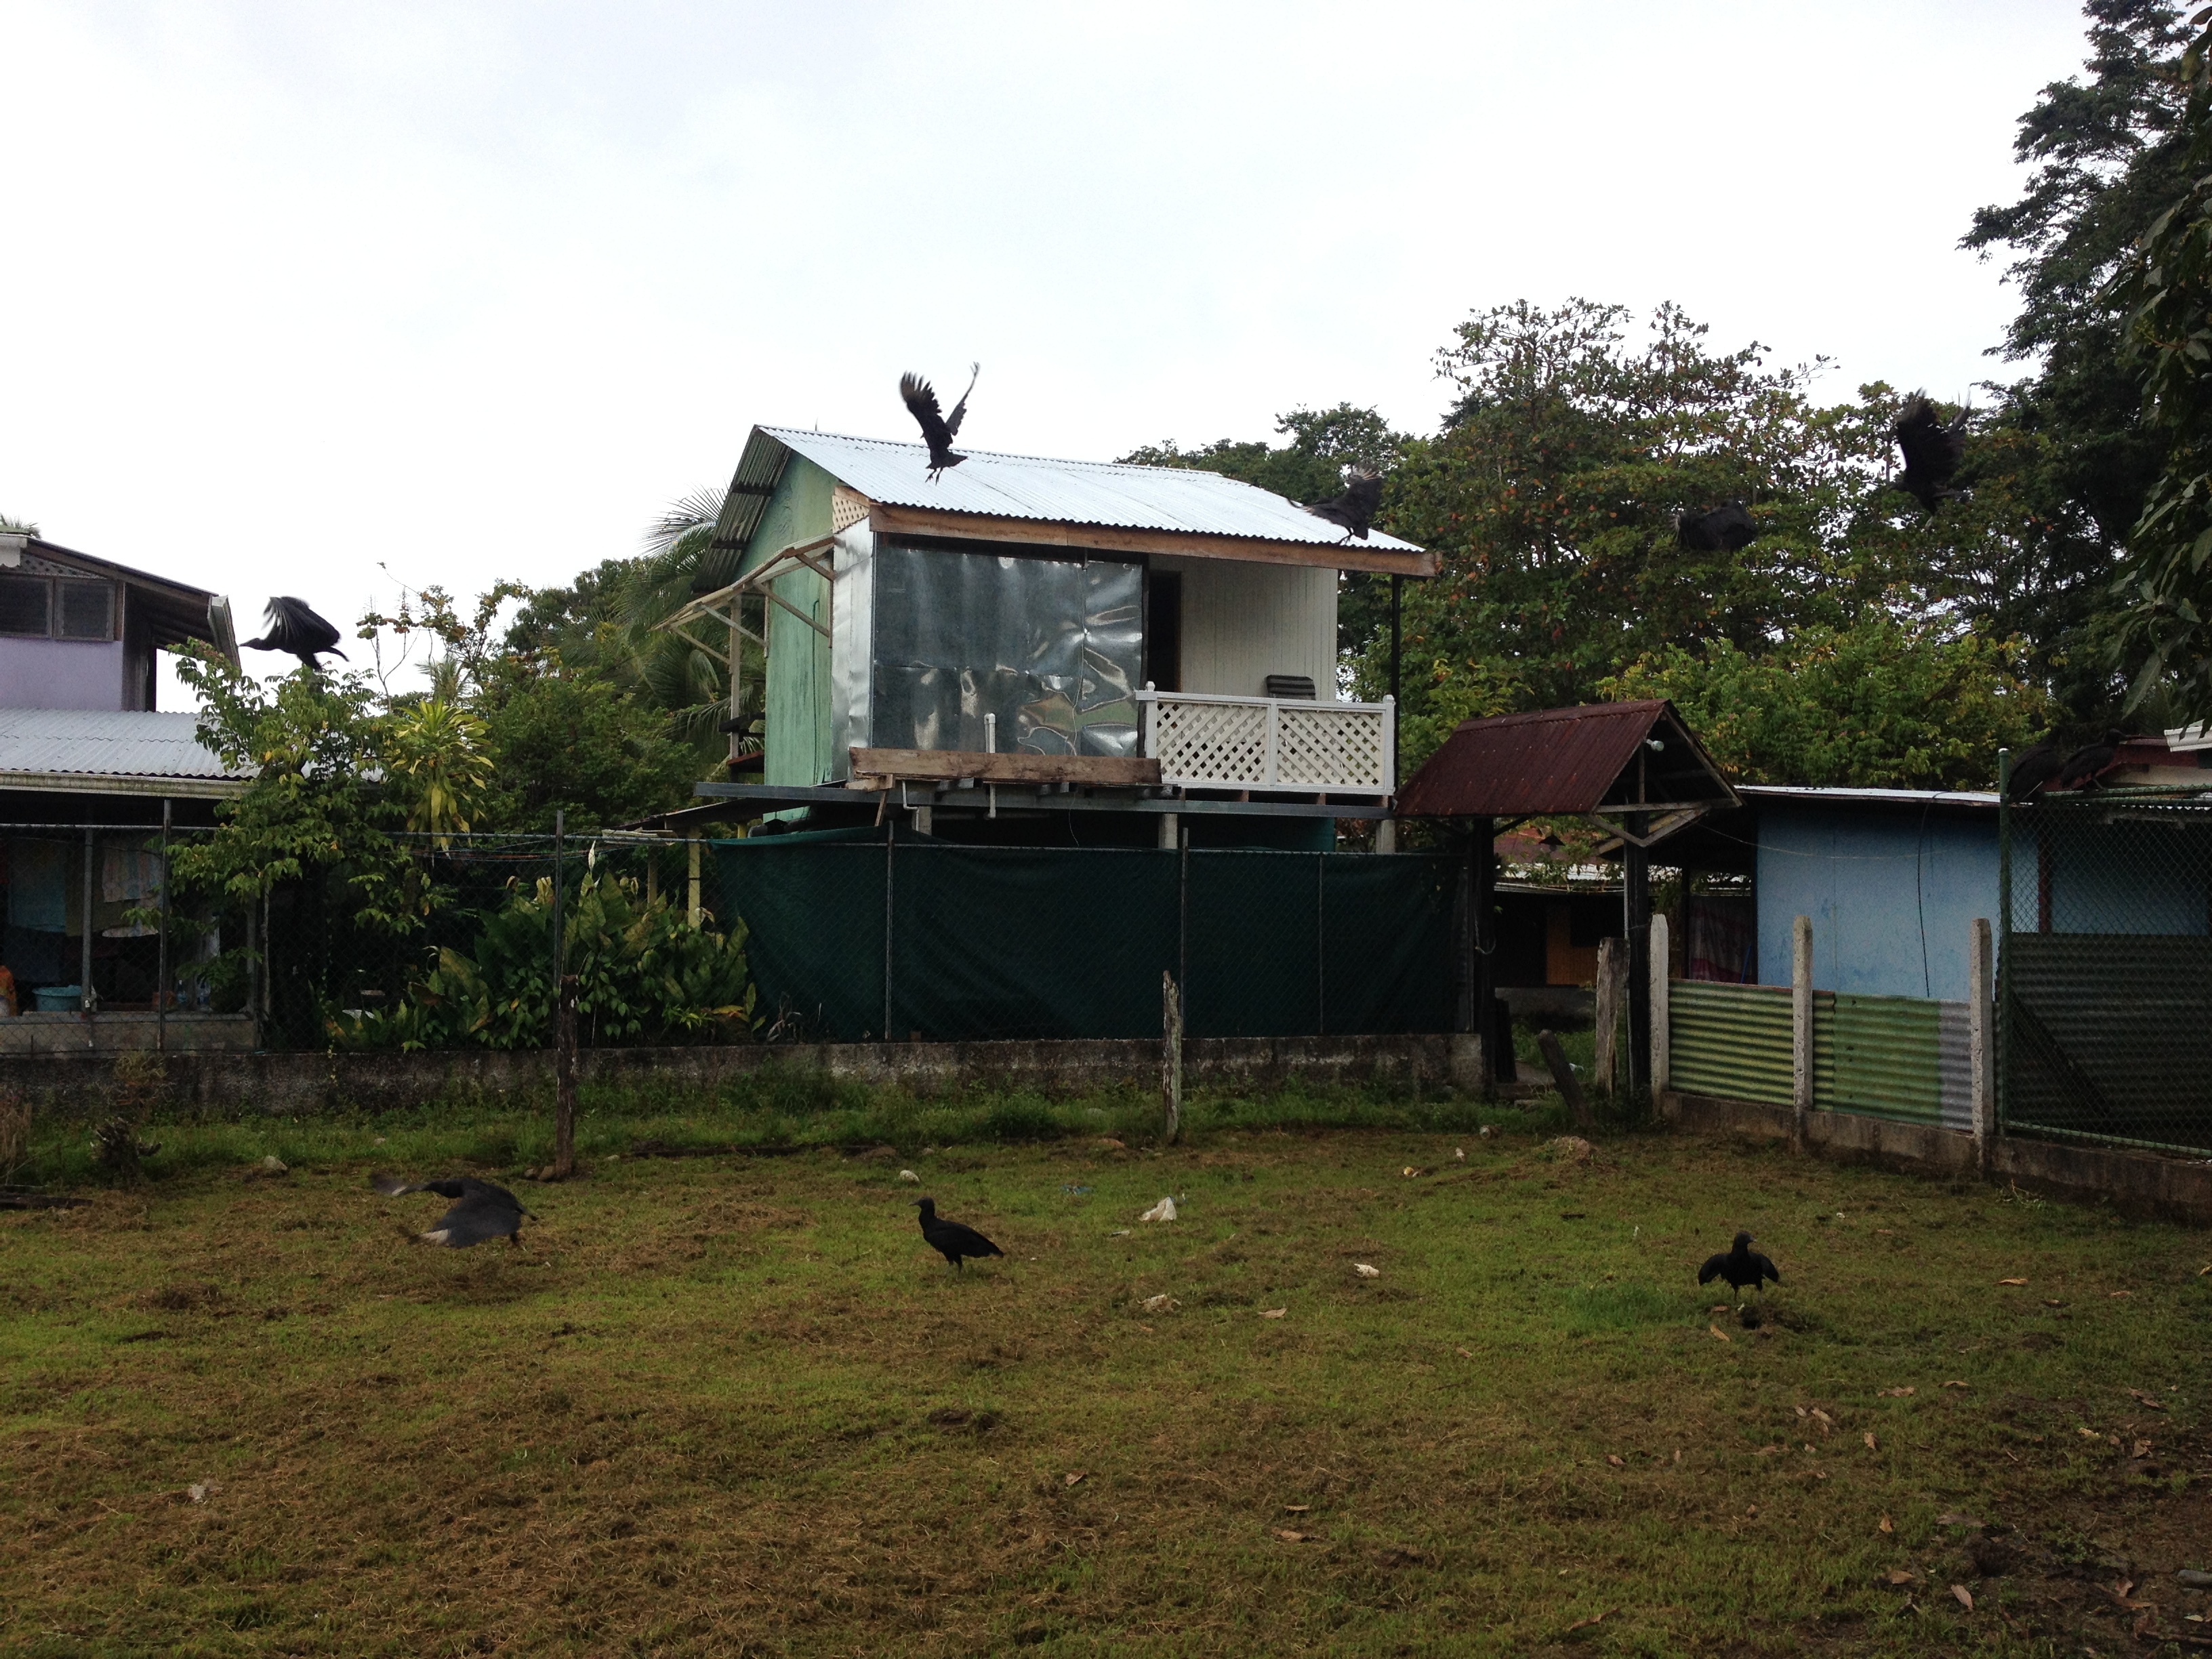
x=1318, y=747
x=1212, y=745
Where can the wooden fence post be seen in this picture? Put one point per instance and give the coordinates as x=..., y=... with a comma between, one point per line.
x=1171, y=1057
x=1563, y=1074
x=1662, y=1053
x=1980, y=1010
x=1610, y=980
x=1801, y=1029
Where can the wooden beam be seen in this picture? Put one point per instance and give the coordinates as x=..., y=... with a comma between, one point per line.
x=1179, y=544
x=877, y=769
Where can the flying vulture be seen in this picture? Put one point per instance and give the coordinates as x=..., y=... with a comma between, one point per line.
x=1742, y=1267
x=936, y=431
x=292, y=627
x=481, y=1211
x=949, y=1239
x=1932, y=454
x=1726, y=529
x=1355, y=509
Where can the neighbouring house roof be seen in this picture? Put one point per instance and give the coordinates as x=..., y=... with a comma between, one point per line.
x=1036, y=489
x=1566, y=761
x=98, y=751
x=173, y=612
x=1820, y=795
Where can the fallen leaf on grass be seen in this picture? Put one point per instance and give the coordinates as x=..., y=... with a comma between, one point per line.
x=1718, y=1307
x=1718, y=1332
x=2012, y=1281
x=1884, y=1525
x=1409, y=1171
x=1289, y=1537
x=2088, y=1433
x=1272, y=1313
x=1366, y=1272
x=1965, y=1597
x=1464, y=1353
x=1827, y=1422
x=2143, y=1449
x=1954, y=1518
x=1584, y=1624
x=1616, y=1462
x=1163, y=1211
x=1161, y=1304
x=1459, y=1154
x=1071, y=1479
x=1898, y=1575
x=1763, y=1450
x=1954, y=1384
x=199, y=1491
x=2150, y=1400
x=1897, y=1393
x=908, y=1175
x=1296, y=1508
x=2052, y=1302
x=1870, y=1445
x=2116, y=1295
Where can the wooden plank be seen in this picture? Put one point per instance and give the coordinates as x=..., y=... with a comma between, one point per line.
x=877, y=768
x=1109, y=538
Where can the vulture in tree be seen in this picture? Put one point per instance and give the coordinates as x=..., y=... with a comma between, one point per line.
x=1355, y=509
x=481, y=1211
x=1726, y=529
x=2088, y=764
x=290, y=626
x=936, y=431
x=949, y=1239
x=1932, y=453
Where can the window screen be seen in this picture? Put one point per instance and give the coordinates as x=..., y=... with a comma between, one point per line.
x=87, y=611
x=23, y=605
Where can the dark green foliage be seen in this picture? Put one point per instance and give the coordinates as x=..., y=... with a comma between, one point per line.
x=571, y=739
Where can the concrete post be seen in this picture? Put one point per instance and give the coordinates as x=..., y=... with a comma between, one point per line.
x=1801, y=1028
x=1981, y=1010
x=691, y=882
x=1386, y=835
x=1661, y=1050
x=1171, y=827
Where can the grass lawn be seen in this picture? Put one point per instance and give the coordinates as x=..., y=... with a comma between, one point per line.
x=730, y=1403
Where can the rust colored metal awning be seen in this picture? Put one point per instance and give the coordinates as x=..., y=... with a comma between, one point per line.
x=1603, y=760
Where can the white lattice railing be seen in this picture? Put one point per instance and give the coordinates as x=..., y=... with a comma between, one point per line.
x=1207, y=742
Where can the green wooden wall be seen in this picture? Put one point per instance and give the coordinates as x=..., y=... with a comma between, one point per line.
x=798, y=731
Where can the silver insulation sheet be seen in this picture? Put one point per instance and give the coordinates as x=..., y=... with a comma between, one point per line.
x=1053, y=647
x=852, y=624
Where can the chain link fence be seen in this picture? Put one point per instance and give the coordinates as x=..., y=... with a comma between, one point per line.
x=2105, y=1005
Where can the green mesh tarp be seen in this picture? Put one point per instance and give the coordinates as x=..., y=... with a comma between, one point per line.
x=1007, y=942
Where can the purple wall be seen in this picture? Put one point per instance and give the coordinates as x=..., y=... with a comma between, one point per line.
x=63, y=674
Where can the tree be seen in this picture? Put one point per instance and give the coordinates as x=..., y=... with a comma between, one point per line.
x=2167, y=286
x=435, y=752
x=571, y=739
x=2067, y=447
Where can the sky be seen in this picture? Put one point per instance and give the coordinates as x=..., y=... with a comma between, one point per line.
x=324, y=299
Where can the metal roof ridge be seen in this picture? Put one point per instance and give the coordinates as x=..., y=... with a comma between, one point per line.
x=1870, y=792
x=783, y=434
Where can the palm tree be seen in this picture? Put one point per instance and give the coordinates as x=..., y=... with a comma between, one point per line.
x=680, y=562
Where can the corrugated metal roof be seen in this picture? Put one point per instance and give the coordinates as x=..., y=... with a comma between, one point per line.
x=1561, y=760
x=147, y=745
x=1105, y=492
x=1870, y=797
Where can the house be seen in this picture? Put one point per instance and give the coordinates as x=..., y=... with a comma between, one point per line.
x=1021, y=638
x=90, y=772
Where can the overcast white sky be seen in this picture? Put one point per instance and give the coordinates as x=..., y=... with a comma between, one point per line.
x=474, y=289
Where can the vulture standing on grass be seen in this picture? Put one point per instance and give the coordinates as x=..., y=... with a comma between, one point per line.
x=1932, y=453
x=290, y=626
x=949, y=1239
x=936, y=431
x=1726, y=529
x=1741, y=1266
x=2088, y=764
x=1356, y=508
x=481, y=1211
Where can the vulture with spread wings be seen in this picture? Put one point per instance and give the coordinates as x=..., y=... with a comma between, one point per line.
x=1356, y=508
x=290, y=625
x=938, y=431
x=481, y=1211
x=1932, y=454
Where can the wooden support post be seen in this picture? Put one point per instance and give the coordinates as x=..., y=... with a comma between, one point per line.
x=564, y=1079
x=1801, y=1029
x=1563, y=1074
x=692, y=899
x=1612, y=980
x=1170, y=1059
x=1663, y=1051
x=1981, y=1009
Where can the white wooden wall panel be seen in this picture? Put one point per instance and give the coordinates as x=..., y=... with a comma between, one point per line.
x=1241, y=622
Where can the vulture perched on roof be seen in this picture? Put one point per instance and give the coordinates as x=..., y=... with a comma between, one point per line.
x=1356, y=508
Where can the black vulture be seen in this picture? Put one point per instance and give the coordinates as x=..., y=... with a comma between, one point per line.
x=1356, y=508
x=290, y=626
x=2091, y=762
x=1726, y=529
x=936, y=431
x=2034, y=768
x=951, y=1239
x=481, y=1211
x=1932, y=453
x=1741, y=1267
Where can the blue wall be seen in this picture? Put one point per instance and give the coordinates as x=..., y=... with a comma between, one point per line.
x=1892, y=895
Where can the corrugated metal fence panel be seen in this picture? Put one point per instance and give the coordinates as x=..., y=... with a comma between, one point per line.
x=1731, y=1041
x=1885, y=1056
x=2111, y=1036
